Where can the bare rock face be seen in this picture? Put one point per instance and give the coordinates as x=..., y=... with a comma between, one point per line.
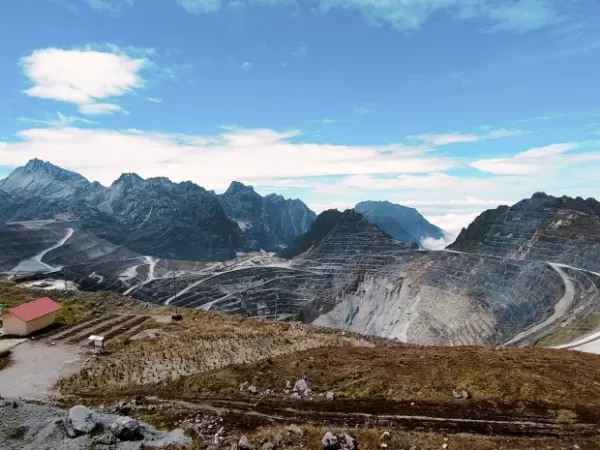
x=562, y=230
x=267, y=222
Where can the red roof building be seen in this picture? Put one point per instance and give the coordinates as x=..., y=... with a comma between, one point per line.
x=33, y=316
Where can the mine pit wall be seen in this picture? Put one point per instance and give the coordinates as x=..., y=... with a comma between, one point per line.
x=458, y=300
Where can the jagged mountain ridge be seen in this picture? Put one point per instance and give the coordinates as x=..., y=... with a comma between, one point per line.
x=561, y=230
x=267, y=222
x=400, y=222
x=154, y=216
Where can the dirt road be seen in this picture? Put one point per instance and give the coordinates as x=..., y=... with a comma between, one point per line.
x=35, y=369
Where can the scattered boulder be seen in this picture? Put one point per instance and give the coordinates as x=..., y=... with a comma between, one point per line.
x=126, y=429
x=288, y=384
x=295, y=396
x=301, y=386
x=244, y=444
x=253, y=389
x=385, y=436
x=347, y=442
x=330, y=442
x=330, y=396
x=268, y=446
x=461, y=394
x=295, y=430
x=81, y=420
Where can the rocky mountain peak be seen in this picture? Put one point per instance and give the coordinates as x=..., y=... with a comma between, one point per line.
x=400, y=222
x=45, y=168
x=586, y=206
x=236, y=187
x=128, y=178
x=41, y=178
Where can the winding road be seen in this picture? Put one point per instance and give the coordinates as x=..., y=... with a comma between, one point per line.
x=560, y=309
x=36, y=263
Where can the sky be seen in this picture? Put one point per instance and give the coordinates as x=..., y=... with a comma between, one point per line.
x=448, y=106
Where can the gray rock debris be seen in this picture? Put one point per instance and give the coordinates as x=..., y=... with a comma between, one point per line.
x=244, y=444
x=294, y=429
x=330, y=396
x=126, y=429
x=44, y=428
x=81, y=419
x=301, y=386
x=268, y=446
x=330, y=442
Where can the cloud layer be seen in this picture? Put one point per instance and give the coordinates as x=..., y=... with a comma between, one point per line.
x=83, y=77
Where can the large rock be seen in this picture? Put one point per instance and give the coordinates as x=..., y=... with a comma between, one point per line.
x=244, y=444
x=81, y=419
x=301, y=386
x=330, y=441
x=126, y=429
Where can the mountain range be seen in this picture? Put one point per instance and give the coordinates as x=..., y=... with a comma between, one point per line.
x=177, y=220
x=155, y=216
x=517, y=275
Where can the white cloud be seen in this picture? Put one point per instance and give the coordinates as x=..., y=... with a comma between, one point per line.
x=200, y=6
x=438, y=140
x=98, y=108
x=503, y=166
x=514, y=15
x=548, y=150
x=154, y=99
x=109, y=6
x=82, y=77
x=247, y=65
x=452, y=224
x=101, y=155
x=438, y=244
x=536, y=160
x=61, y=121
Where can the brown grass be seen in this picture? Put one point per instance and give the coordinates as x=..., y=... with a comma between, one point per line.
x=200, y=343
x=417, y=373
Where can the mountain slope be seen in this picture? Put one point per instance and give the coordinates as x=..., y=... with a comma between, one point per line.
x=562, y=230
x=170, y=220
x=267, y=222
x=42, y=179
x=400, y=222
x=321, y=227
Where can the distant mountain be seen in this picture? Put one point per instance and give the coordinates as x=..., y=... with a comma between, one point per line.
x=556, y=229
x=42, y=179
x=268, y=223
x=400, y=222
x=321, y=227
x=156, y=216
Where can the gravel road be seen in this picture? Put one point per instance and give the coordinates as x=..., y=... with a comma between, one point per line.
x=36, y=367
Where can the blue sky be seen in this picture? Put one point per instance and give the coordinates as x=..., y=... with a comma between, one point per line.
x=450, y=106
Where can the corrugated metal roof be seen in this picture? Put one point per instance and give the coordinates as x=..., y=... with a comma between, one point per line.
x=35, y=309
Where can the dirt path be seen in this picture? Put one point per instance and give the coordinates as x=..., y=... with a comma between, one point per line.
x=475, y=418
x=35, y=369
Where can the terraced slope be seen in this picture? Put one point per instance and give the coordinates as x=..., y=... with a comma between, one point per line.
x=561, y=230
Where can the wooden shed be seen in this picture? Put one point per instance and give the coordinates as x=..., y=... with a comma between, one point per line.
x=33, y=316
